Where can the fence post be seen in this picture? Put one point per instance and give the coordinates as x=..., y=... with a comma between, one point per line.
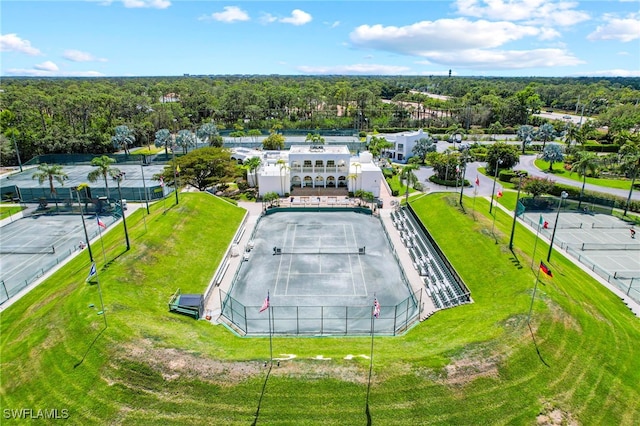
x=246, y=323
x=5, y=288
x=630, y=284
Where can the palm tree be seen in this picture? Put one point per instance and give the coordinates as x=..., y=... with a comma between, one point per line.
x=409, y=177
x=553, y=154
x=252, y=164
x=357, y=166
x=630, y=160
x=545, y=132
x=47, y=172
x=283, y=172
x=209, y=133
x=525, y=133
x=185, y=139
x=585, y=162
x=163, y=138
x=123, y=138
x=103, y=169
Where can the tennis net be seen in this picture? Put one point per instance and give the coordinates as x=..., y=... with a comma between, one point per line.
x=27, y=250
x=604, y=246
x=319, y=250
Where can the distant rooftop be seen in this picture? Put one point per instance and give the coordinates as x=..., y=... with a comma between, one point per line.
x=329, y=149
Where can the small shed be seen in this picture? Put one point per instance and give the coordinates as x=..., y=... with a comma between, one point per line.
x=187, y=304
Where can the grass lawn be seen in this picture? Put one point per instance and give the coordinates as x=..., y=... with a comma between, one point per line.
x=396, y=184
x=147, y=150
x=558, y=170
x=475, y=364
x=8, y=211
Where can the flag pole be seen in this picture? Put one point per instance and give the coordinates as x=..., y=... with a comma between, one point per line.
x=373, y=317
x=533, y=296
x=104, y=313
x=270, y=333
x=533, y=256
x=102, y=244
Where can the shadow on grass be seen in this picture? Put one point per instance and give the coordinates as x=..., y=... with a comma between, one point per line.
x=536, y=346
x=514, y=259
x=264, y=387
x=95, y=339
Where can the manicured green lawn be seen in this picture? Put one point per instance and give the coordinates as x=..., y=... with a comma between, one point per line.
x=475, y=364
x=396, y=185
x=8, y=211
x=558, y=170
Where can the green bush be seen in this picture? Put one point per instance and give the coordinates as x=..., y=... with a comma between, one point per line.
x=596, y=147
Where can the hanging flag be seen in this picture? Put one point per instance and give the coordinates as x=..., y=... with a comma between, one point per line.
x=520, y=209
x=477, y=181
x=162, y=181
x=541, y=221
x=457, y=169
x=545, y=225
x=544, y=268
x=376, y=308
x=265, y=304
x=500, y=193
x=101, y=223
x=93, y=271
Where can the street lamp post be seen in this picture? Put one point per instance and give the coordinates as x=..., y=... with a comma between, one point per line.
x=144, y=185
x=84, y=226
x=515, y=213
x=119, y=177
x=495, y=178
x=563, y=196
x=175, y=170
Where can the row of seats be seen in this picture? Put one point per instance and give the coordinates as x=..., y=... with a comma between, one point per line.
x=441, y=286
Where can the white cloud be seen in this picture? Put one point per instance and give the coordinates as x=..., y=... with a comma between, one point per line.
x=79, y=56
x=46, y=66
x=334, y=24
x=267, y=18
x=298, y=17
x=13, y=43
x=445, y=34
x=543, y=12
x=229, y=15
x=149, y=4
x=34, y=72
x=504, y=59
x=360, y=69
x=611, y=73
x=622, y=29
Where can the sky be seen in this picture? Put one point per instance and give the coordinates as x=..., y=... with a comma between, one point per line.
x=505, y=38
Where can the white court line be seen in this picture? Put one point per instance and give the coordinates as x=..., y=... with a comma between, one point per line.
x=41, y=258
x=293, y=244
x=364, y=282
x=275, y=287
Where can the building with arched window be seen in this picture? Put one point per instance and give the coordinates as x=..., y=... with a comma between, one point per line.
x=323, y=168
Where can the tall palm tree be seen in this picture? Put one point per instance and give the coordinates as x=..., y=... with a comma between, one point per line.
x=185, y=139
x=163, y=138
x=283, y=172
x=252, y=164
x=525, y=133
x=409, y=177
x=209, y=133
x=123, y=138
x=630, y=160
x=103, y=169
x=585, y=162
x=51, y=172
x=545, y=132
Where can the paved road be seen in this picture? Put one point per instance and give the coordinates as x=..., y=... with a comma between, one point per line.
x=526, y=163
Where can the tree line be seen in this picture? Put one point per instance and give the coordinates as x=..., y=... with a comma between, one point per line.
x=82, y=115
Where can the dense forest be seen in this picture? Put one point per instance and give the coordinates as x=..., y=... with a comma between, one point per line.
x=80, y=115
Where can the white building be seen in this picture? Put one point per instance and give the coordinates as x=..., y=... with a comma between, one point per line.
x=403, y=143
x=313, y=166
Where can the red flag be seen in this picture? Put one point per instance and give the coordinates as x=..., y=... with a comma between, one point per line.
x=376, y=308
x=101, y=223
x=477, y=181
x=162, y=181
x=499, y=193
x=545, y=225
x=265, y=304
x=544, y=268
